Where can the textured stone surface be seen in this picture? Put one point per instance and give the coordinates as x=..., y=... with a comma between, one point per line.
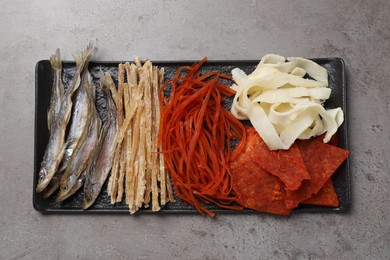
x=357, y=31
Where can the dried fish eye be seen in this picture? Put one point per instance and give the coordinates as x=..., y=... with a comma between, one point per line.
x=42, y=174
x=65, y=187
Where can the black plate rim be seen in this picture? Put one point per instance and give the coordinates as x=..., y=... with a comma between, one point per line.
x=308, y=209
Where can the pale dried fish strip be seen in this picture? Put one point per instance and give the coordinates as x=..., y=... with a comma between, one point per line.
x=154, y=135
x=132, y=110
x=164, y=181
x=129, y=166
x=121, y=78
x=122, y=163
x=111, y=85
x=106, y=82
x=148, y=130
x=139, y=165
x=112, y=189
x=118, y=156
x=126, y=122
x=140, y=174
x=136, y=146
x=139, y=199
x=114, y=170
x=137, y=62
x=162, y=167
x=169, y=187
x=131, y=71
x=134, y=162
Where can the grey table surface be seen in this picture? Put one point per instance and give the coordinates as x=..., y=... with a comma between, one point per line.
x=357, y=31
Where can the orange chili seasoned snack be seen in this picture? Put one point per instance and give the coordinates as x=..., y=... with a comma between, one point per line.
x=325, y=197
x=196, y=134
x=287, y=165
x=321, y=160
x=256, y=188
x=259, y=189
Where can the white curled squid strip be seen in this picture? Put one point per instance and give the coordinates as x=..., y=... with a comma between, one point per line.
x=282, y=105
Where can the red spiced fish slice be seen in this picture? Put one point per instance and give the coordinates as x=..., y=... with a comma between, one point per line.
x=257, y=189
x=321, y=160
x=325, y=197
x=287, y=165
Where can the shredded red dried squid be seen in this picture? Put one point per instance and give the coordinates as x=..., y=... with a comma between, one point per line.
x=196, y=134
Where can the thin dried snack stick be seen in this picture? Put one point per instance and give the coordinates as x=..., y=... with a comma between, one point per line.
x=141, y=163
x=164, y=185
x=122, y=169
x=148, y=130
x=122, y=163
x=141, y=156
x=162, y=167
x=114, y=93
x=121, y=78
x=113, y=187
x=134, y=162
x=136, y=145
x=129, y=172
x=111, y=86
x=137, y=62
x=132, y=81
x=169, y=187
x=154, y=133
x=114, y=174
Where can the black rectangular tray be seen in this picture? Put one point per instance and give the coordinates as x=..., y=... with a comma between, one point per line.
x=43, y=85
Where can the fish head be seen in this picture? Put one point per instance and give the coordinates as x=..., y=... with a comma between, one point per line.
x=87, y=201
x=65, y=187
x=44, y=176
x=90, y=194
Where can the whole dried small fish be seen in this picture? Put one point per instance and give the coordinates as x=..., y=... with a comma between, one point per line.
x=79, y=118
x=102, y=163
x=79, y=183
x=78, y=123
x=53, y=185
x=84, y=149
x=56, y=146
x=57, y=91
